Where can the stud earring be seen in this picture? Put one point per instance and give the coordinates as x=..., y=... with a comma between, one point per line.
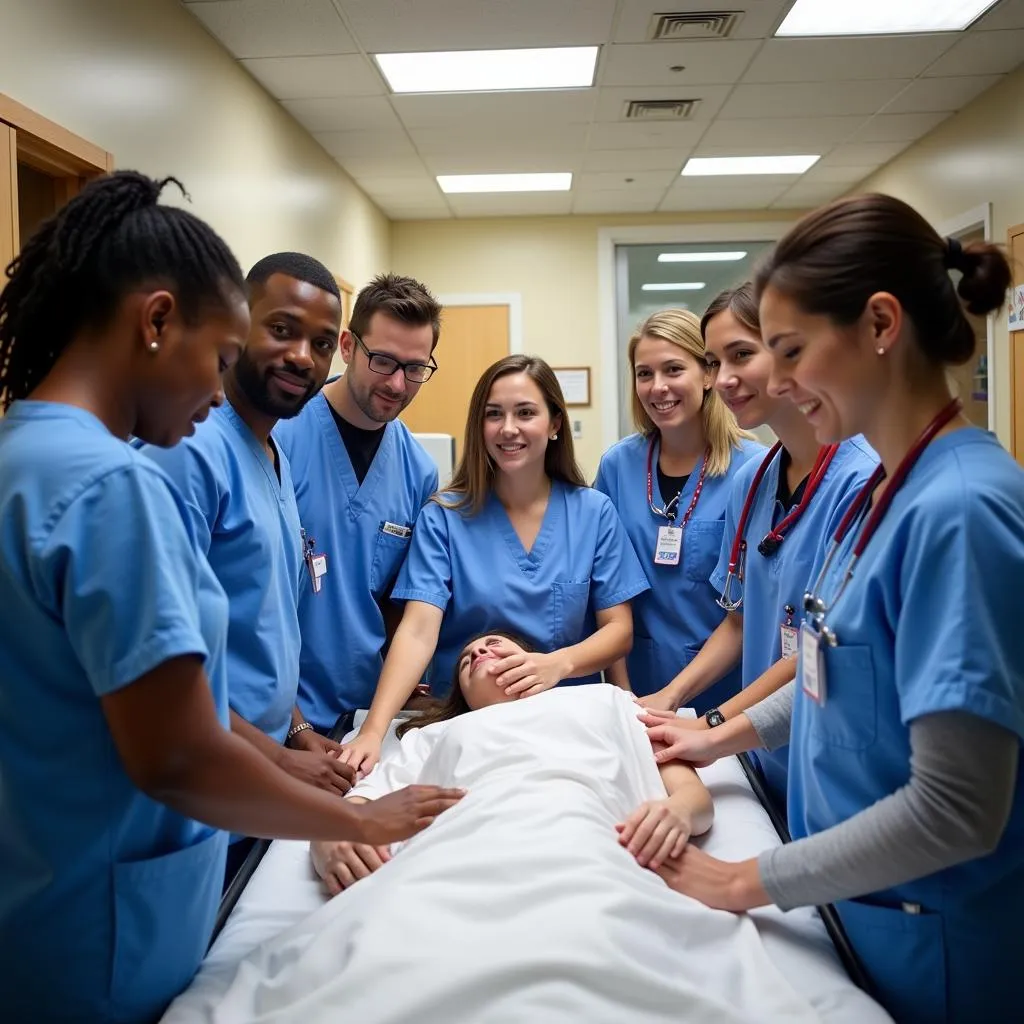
x=554, y=437
x=880, y=350
x=154, y=345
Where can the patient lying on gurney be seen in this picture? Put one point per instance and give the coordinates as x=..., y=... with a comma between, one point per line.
x=527, y=901
x=656, y=830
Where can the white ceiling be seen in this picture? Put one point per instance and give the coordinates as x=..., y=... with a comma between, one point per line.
x=858, y=102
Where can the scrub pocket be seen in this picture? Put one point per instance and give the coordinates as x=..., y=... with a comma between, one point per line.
x=388, y=555
x=849, y=717
x=164, y=909
x=570, y=611
x=702, y=544
x=904, y=955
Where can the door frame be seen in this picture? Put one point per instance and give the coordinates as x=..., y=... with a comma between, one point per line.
x=514, y=301
x=971, y=220
x=611, y=390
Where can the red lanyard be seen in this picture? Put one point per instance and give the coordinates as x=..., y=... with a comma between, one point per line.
x=771, y=542
x=696, y=490
x=947, y=414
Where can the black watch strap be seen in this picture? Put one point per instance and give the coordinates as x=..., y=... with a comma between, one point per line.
x=714, y=717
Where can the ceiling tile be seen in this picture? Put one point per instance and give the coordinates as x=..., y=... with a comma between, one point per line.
x=827, y=174
x=511, y=204
x=407, y=189
x=611, y=103
x=1005, y=15
x=982, y=53
x=275, y=28
x=392, y=26
x=365, y=143
x=504, y=160
x=432, y=111
x=633, y=160
x=759, y=19
x=649, y=135
x=859, y=154
x=396, y=210
x=810, y=194
x=750, y=194
x=343, y=115
x=930, y=94
x=824, y=60
x=715, y=63
x=358, y=165
x=811, y=99
x=474, y=137
x=898, y=127
x=598, y=181
x=615, y=201
x=781, y=134
x=299, y=78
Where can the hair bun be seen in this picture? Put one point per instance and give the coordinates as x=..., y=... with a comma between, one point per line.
x=986, y=277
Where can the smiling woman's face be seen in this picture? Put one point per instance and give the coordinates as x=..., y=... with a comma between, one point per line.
x=477, y=684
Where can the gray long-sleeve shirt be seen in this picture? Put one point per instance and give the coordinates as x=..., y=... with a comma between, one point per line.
x=963, y=771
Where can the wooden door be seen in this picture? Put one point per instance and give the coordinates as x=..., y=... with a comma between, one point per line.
x=1015, y=248
x=472, y=338
x=10, y=237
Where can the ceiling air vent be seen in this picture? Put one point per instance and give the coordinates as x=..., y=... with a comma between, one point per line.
x=660, y=110
x=695, y=25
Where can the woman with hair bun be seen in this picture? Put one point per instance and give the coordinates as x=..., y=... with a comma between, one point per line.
x=906, y=718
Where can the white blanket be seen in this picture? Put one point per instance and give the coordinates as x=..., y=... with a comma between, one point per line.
x=519, y=905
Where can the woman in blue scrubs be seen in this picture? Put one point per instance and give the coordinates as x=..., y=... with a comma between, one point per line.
x=116, y=769
x=782, y=508
x=906, y=719
x=518, y=537
x=670, y=483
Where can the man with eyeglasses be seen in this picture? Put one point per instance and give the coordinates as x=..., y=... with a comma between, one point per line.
x=361, y=478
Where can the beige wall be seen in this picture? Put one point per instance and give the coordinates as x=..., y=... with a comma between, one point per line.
x=976, y=157
x=552, y=263
x=144, y=80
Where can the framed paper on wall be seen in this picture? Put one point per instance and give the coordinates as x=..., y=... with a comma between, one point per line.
x=575, y=384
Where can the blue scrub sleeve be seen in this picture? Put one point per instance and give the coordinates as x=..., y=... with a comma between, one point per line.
x=196, y=481
x=426, y=574
x=602, y=481
x=617, y=575
x=122, y=571
x=959, y=642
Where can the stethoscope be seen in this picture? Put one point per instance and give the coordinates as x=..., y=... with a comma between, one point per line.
x=772, y=540
x=816, y=607
x=671, y=507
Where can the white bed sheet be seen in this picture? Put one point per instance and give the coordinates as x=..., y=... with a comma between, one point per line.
x=284, y=890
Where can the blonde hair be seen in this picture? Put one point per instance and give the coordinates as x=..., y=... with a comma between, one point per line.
x=681, y=328
x=474, y=476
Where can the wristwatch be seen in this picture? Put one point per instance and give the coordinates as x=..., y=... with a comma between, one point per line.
x=714, y=717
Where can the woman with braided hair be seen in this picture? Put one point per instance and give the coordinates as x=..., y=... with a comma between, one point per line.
x=117, y=773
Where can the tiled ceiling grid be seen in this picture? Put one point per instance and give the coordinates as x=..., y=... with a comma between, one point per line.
x=856, y=101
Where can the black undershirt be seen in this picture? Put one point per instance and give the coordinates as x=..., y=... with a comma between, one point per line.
x=782, y=494
x=360, y=444
x=670, y=486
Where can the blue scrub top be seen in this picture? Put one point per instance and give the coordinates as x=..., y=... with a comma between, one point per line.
x=107, y=898
x=475, y=569
x=248, y=526
x=771, y=583
x=673, y=619
x=343, y=628
x=930, y=622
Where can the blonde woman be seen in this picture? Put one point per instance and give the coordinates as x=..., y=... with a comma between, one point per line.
x=670, y=483
x=518, y=537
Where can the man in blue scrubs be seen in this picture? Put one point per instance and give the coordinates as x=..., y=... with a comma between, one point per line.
x=237, y=485
x=360, y=481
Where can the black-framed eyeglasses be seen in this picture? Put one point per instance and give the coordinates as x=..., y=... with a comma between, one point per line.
x=386, y=365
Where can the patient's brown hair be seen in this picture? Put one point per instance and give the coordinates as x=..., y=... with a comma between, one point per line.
x=443, y=709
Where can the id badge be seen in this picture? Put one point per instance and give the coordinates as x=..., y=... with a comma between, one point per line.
x=790, y=640
x=812, y=664
x=669, y=548
x=317, y=566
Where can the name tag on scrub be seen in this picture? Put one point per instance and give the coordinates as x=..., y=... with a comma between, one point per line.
x=396, y=531
x=669, y=549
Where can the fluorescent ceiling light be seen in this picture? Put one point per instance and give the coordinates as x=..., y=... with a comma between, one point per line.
x=554, y=67
x=880, y=17
x=683, y=286
x=559, y=182
x=700, y=257
x=704, y=165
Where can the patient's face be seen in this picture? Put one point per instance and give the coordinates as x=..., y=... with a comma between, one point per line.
x=477, y=684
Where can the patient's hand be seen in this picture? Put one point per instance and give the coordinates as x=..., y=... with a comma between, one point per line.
x=362, y=753
x=655, y=831
x=343, y=864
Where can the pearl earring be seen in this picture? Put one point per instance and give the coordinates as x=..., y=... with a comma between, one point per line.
x=154, y=345
x=880, y=350
x=554, y=437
